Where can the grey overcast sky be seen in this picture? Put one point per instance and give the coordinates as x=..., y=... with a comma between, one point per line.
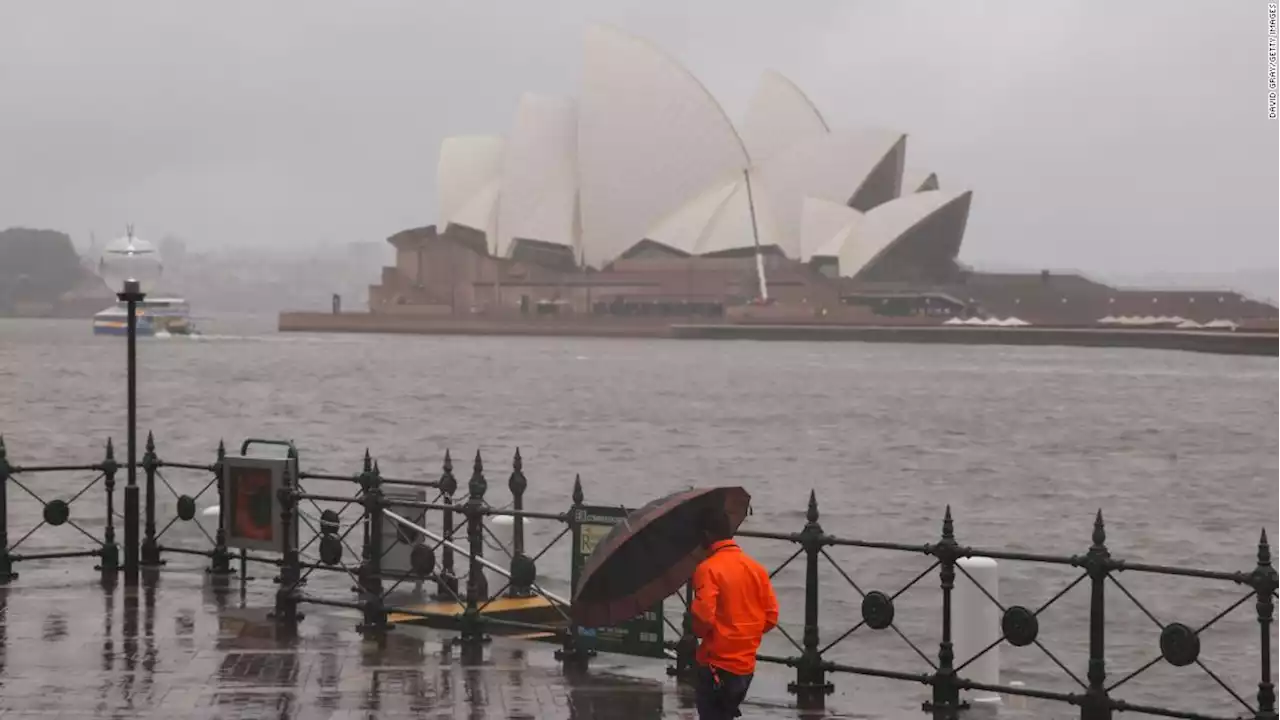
x=1107, y=136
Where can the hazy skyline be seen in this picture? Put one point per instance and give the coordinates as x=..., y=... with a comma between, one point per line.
x=1107, y=137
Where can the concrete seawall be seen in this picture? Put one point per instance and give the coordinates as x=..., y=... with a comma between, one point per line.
x=428, y=325
x=1221, y=342
x=1228, y=343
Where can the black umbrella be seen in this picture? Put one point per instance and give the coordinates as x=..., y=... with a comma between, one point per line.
x=649, y=555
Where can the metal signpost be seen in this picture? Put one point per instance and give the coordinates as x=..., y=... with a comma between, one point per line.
x=641, y=635
x=250, y=515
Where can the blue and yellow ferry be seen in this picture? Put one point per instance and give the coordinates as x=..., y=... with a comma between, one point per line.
x=159, y=316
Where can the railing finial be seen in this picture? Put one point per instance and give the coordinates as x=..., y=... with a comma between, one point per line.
x=811, y=514
x=517, y=483
x=477, y=486
x=111, y=449
x=1264, y=549
x=368, y=461
x=448, y=483
x=151, y=442
x=948, y=525
x=222, y=449
x=578, y=497
x=1099, y=531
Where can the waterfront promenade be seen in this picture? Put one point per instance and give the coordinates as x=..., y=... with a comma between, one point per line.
x=183, y=649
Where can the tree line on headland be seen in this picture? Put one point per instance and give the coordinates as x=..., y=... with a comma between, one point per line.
x=42, y=275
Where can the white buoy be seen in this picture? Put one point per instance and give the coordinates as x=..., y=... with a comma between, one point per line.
x=976, y=624
x=503, y=531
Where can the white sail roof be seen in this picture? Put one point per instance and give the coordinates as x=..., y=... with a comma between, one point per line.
x=468, y=165
x=824, y=227
x=650, y=137
x=830, y=167
x=539, y=173
x=683, y=228
x=915, y=180
x=779, y=115
x=886, y=224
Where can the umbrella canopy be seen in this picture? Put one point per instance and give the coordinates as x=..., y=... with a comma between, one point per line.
x=649, y=555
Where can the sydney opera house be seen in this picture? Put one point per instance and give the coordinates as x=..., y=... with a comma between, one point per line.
x=643, y=198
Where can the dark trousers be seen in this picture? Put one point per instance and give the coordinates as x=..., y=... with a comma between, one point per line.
x=718, y=693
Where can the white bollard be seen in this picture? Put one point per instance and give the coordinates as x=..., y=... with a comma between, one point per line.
x=977, y=624
x=503, y=531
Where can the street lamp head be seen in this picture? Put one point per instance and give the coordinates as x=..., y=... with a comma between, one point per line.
x=131, y=292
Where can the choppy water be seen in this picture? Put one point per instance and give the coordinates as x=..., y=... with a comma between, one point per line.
x=1025, y=444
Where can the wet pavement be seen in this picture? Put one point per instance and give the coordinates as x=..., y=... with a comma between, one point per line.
x=181, y=647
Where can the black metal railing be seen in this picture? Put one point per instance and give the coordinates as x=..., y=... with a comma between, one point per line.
x=330, y=520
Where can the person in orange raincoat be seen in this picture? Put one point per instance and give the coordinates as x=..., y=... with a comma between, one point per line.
x=733, y=607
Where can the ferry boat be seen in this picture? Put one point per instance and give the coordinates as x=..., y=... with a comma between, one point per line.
x=156, y=317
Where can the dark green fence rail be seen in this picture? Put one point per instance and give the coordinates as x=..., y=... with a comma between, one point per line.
x=328, y=536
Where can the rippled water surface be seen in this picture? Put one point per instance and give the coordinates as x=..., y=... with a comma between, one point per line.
x=1026, y=444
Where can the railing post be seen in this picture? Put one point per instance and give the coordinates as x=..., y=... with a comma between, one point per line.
x=811, y=688
x=1265, y=582
x=946, y=703
x=1097, y=563
x=6, y=561
x=150, y=464
x=286, y=607
x=687, y=645
x=375, y=613
x=477, y=587
x=521, y=577
x=110, y=550
x=366, y=546
x=220, y=560
x=131, y=549
x=446, y=579
x=571, y=653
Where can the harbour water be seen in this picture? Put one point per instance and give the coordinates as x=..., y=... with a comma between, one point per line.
x=1178, y=449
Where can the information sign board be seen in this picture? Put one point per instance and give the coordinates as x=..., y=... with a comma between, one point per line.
x=250, y=513
x=641, y=635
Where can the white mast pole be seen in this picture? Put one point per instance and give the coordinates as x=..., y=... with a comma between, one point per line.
x=755, y=232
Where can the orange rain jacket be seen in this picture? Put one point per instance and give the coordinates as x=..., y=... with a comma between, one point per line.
x=733, y=607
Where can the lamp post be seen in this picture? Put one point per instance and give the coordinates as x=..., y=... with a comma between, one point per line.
x=132, y=295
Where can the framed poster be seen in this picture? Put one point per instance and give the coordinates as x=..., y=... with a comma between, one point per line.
x=251, y=507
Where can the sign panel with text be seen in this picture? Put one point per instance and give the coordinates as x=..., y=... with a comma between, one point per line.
x=641, y=635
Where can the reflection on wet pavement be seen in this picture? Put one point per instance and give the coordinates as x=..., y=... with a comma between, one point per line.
x=180, y=647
